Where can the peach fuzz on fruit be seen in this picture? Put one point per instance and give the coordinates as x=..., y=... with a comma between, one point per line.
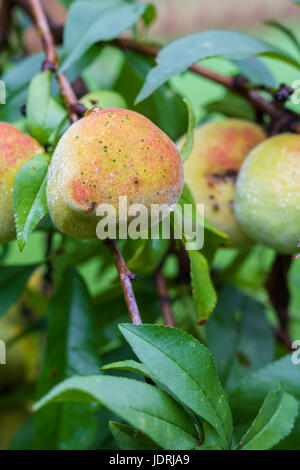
x=267, y=201
x=110, y=153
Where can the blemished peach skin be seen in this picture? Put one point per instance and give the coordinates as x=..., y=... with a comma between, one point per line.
x=220, y=147
x=110, y=153
x=16, y=148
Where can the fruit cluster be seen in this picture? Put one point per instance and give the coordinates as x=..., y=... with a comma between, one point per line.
x=248, y=183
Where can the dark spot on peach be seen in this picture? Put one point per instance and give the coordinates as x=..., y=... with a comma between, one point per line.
x=230, y=174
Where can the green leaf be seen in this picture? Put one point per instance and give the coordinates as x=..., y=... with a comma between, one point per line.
x=131, y=366
x=209, y=447
x=256, y=71
x=288, y=32
x=179, y=55
x=247, y=398
x=70, y=350
x=129, y=438
x=143, y=406
x=143, y=256
x=16, y=80
x=164, y=107
x=291, y=442
x=37, y=105
x=89, y=22
x=232, y=105
x=274, y=421
x=204, y=294
x=44, y=114
x=150, y=14
x=187, y=147
x=13, y=280
x=30, y=202
x=186, y=368
x=239, y=336
x=212, y=236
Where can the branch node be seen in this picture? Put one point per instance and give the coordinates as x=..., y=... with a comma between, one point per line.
x=48, y=65
x=239, y=83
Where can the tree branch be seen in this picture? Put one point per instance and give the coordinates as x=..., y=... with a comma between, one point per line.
x=51, y=61
x=4, y=22
x=75, y=110
x=277, y=286
x=288, y=119
x=126, y=277
x=164, y=298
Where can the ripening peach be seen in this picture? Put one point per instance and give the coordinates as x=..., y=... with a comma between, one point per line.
x=267, y=201
x=16, y=148
x=110, y=153
x=220, y=148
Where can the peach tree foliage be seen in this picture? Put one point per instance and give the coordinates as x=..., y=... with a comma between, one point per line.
x=224, y=377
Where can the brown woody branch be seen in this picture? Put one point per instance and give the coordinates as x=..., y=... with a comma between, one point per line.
x=277, y=286
x=75, y=111
x=287, y=119
x=164, y=298
x=4, y=21
x=126, y=277
x=284, y=119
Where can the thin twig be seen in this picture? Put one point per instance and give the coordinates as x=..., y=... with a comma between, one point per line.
x=4, y=22
x=75, y=111
x=126, y=277
x=164, y=298
x=288, y=119
x=277, y=286
x=51, y=61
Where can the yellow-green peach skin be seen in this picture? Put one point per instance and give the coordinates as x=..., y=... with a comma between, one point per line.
x=267, y=201
x=220, y=148
x=16, y=148
x=103, y=99
x=110, y=153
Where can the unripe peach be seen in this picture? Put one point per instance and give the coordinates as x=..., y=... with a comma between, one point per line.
x=103, y=99
x=110, y=153
x=267, y=201
x=15, y=149
x=220, y=148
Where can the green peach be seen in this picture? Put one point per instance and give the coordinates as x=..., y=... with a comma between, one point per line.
x=110, y=153
x=103, y=99
x=267, y=201
x=220, y=148
x=15, y=149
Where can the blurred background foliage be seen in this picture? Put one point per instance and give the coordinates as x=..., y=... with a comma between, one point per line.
x=111, y=69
